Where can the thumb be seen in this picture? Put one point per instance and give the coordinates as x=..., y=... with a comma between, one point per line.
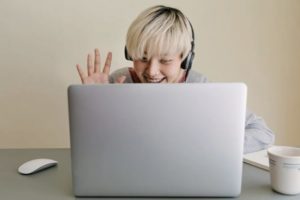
x=121, y=79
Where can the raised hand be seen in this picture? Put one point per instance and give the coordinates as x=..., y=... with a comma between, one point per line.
x=95, y=75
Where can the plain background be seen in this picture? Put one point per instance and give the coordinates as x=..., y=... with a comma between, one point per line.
x=256, y=42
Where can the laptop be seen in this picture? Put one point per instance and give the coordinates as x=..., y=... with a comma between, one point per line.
x=157, y=140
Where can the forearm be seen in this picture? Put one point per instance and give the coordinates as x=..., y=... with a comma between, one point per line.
x=256, y=140
x=257, y=134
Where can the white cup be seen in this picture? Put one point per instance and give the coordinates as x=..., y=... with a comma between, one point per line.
x=285, y=169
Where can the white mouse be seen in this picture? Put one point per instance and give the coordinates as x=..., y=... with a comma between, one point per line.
x=36, y=165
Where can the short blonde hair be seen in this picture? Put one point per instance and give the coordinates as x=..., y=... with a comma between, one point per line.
x=159, y=31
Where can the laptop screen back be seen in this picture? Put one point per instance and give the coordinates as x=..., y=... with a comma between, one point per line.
x=157, y=139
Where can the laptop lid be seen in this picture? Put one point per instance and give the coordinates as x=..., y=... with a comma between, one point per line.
x=183, y=140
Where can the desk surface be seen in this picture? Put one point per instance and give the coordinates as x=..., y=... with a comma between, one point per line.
x=55, y=183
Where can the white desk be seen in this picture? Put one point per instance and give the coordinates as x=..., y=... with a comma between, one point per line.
x=55, y=183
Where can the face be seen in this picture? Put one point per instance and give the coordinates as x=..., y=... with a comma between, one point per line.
x=159, y=69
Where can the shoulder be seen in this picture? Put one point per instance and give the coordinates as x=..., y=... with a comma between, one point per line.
x=120, y=72
x=195, y=77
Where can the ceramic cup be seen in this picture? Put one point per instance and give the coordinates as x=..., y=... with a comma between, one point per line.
x=285, y=169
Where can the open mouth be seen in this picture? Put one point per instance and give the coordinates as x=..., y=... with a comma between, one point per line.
x=154, y=80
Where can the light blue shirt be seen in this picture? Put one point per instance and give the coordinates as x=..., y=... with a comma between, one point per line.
x=257, y=134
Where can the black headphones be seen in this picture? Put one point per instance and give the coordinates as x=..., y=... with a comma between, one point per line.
x=186, y=64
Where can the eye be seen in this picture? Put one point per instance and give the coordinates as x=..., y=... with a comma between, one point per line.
x=165, y=61
x=144, y=60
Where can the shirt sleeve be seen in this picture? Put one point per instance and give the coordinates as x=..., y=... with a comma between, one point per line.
x=257, y=135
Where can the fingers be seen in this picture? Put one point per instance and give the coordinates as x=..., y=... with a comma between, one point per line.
x=90, y=65
x=106, y=68
x=121, y=79
x=97, y=61
x=80, y=72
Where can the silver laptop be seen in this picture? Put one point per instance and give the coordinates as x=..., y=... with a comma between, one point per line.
x=158, y=140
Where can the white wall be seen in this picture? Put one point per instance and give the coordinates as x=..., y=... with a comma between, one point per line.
x=255, y=41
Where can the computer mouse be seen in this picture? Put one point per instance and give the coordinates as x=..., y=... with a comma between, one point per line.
x=36, y=165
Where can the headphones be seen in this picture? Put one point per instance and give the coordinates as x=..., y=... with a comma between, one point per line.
x=186, y=64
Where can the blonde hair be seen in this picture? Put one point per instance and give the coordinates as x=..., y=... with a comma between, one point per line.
x=159, y=31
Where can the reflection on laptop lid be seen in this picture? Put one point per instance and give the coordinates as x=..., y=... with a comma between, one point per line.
x=181, y=140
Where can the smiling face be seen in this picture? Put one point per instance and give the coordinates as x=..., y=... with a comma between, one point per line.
x=157, y=42
x=159, y=70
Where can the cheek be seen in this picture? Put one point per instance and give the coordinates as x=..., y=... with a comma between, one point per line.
x=172, y=71
x=138, y=67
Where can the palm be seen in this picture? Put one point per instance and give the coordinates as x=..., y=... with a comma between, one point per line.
x=96, y=78
x=95, y=75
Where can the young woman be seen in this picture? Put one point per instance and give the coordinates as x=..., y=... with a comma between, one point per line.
x=160, y=42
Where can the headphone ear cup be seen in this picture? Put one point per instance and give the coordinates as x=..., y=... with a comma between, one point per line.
x=190, y=61
x=183, y=63
x=126, y=54
x=186, y=64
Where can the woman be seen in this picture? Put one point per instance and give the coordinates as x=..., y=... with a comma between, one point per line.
x=160, y=42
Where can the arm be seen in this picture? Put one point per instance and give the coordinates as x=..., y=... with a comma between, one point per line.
x=257, y=135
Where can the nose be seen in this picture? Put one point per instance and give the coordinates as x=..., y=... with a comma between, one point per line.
x=153, y=68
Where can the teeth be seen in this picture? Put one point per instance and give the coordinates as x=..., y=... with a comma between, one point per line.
x=155, y=81
x=149, y=80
